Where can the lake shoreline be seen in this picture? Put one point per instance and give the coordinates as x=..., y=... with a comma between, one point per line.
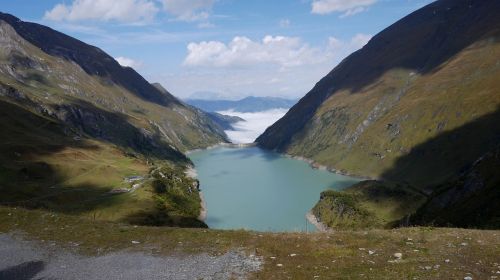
x=203, y=212
x=191, y=173
x=317, y=223
x=315, y=165
x=222, y=144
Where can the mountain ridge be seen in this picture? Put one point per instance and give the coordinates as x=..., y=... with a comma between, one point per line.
x=250, y=104
x=386, y=102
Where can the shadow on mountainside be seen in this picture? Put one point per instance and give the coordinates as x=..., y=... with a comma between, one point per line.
x=421, y=42
x=448, y=154
x=28, y=180
x=85, y=119
x=459, y=169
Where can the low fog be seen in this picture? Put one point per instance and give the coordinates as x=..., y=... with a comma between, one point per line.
x=255, y=124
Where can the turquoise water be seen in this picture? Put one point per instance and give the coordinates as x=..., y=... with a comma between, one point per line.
x=255, y=189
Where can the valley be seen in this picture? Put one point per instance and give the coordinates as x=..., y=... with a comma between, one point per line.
x=386, y=169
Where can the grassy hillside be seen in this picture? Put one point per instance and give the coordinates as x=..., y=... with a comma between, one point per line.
x=44, y=164
x=57, y=75
x=433, y=73
x=368, y=204
x=77, y=128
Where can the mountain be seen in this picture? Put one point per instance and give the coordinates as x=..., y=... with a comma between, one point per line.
x=245, y=105
x=225, y=121
x=75, y=124
x=430, y=73
x=418, y=104
x=43, y=59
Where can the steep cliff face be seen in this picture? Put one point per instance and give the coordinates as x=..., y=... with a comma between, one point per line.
x=419, y=103
x=85, y=88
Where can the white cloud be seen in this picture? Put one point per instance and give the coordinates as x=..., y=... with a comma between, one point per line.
x=129, y=11
x=242, y=51
x=189, y=10
x=347, y=7
x=265, y=76
x=285, y=23
x=253, y=126
x=283, y=51
x=344, y=48
x=206, y=24
x=128, y=62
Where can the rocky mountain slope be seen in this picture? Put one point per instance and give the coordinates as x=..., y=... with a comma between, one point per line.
x=83, y=135
x=72, y=80
x=418, y=104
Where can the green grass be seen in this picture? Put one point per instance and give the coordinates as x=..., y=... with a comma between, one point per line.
x=460, y=93
x=338, y=255
x=42, y=166
x=368, y=204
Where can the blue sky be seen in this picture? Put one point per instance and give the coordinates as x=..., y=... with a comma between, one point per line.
x=222, y=48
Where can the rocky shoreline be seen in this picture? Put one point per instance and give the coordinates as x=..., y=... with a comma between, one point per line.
x=203, y=212
x=191, y=173
x=316, y=223
x=318, y=166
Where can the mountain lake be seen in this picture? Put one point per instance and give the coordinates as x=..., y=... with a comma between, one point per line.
x=255, y=189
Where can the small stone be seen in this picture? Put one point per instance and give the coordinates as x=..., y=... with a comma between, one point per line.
x=398, y=256
x=447, y=261
x=361, y=249
x=437, y=266
x=428, y=267
x=293, y=255
x=135, y=242
x=370, y=252
x=279, y=265
x=272, y=258
x=463, y=244
x=467, y=278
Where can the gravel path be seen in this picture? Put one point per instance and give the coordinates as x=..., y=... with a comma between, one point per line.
x=20, y=260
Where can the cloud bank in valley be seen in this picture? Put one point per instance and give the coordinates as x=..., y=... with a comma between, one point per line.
x=254, y=124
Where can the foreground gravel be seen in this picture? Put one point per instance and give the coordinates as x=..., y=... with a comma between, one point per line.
x=20, y=259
